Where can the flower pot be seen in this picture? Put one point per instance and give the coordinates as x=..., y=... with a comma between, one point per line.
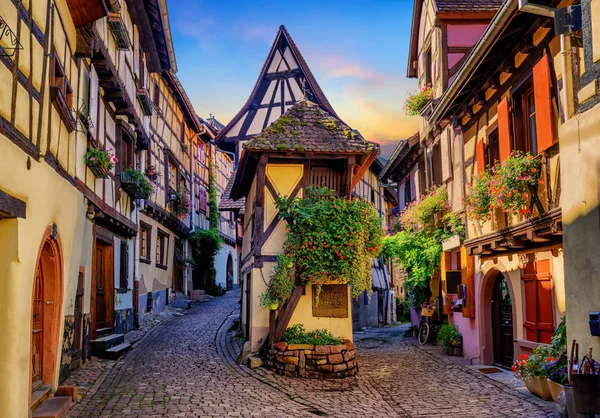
x=538, y=386
x=274, y=306
x=99, y=171
x=555, y=389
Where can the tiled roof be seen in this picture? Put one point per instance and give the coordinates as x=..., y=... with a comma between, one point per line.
x=227, y=203
x=468, y=5
x=307, y=127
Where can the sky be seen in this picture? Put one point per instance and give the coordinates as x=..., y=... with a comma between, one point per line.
x=357, y=51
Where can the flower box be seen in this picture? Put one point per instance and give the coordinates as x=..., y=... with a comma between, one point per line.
x=538, y=385
x=555, y=389
x=99, y=171
x=131, y=185
x=427, y=312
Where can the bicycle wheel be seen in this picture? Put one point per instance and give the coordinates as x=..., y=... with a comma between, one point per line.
x=423, y=333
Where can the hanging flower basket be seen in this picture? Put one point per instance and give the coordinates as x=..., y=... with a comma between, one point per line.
x=100, y=162
x=135, y=184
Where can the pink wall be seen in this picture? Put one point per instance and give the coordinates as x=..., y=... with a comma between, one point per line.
x=464, y=35
x=468, y=329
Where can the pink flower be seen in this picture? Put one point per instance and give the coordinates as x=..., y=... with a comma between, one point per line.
x=92, y=158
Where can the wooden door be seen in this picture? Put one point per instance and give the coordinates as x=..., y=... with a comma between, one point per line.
x=37, y=346
x=502, y=323
x=78, y=324
x=102, y=287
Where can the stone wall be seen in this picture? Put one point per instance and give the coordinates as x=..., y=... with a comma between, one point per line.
x=313, y=362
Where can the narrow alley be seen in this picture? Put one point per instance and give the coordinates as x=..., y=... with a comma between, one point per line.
x=186, y=367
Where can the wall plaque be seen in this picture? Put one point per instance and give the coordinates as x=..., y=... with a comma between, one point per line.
x=332, y=301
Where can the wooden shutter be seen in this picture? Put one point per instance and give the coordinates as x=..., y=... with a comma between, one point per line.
x=480, y=155
x=123, y=278
x=543, y=103
x=530, y=289
x=467, y=271
x=504, y=129
x=545, y=318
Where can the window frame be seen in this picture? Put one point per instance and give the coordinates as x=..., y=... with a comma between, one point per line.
x=522, y=140
x=490, y=155
x=147, y=246
x=162, y=248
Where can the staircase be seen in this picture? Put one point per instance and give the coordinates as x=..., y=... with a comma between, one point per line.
x=109, y=346
x=45, y=405
x=199, y=295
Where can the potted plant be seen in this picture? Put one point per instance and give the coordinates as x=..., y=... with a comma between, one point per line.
x=135, y=184
x=100, y=162
x=152, y=173
x=181, y=203
x=268, y=301
x=416, y=102
x=450, y=339
x=478, y=202
x=556, y=373
x=281, y=284
x=531, y=370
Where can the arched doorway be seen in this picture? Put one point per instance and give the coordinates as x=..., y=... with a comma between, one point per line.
x=229, y=272
x=45, y=313
x=502, y=322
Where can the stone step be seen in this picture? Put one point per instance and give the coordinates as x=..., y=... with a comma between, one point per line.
x=40, y=395
x=117, y=351
x=254, y=361
x=100, y=345
x=53, y=407
x=103, y=332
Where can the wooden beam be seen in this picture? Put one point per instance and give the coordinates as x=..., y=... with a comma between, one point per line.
x=11, y=207
x=286, y=314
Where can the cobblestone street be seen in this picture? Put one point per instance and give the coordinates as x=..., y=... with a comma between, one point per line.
x=185, y=367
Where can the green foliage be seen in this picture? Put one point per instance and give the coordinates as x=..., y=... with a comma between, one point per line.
x=417, y=247
x=181, y=262
x=212, y=199
x=98, y=158
x=206, y=245
x=281, y=284
x=330, y=124
x=146, y=187
x=283, y=147
x=279, y=126
x=449, y=337
x=402, y=309
x=330, y=238
x=265, y=300
x=416, y=101
x=296, y=334
x=559, y=338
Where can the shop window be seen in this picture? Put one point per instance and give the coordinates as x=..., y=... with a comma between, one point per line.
x=145, y=240
x=162, y=249
x=539, y=317
x=124, y=266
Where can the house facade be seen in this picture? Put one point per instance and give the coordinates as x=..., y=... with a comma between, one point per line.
x=82, y=250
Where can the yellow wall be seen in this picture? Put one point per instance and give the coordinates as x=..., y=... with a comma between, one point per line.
x=50, y=199
x=152, y=278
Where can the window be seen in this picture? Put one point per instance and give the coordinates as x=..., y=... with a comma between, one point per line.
x=436, y=165
x=201, y=153
x=492, y=153
x=162, y=249
x=149, y=156
x=61, y=93
x=145, y=239
x=172, y=176
x=127, y=153
x=539, y=317
x=124, y=266
x=525, y=119
x=156, y=95
x=203, y=198
x=427, y=69
x=453, y=271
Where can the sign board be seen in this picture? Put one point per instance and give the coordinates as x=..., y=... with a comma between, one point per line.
x=332, y=301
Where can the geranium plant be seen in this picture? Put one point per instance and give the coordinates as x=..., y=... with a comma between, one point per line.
x=100, y=162
x=512, y=182
x=181, y=261
x=181, y=204
x=144, y=186
x=449, y=337
x=478, y=200
x=415, y=102
x=330, y=239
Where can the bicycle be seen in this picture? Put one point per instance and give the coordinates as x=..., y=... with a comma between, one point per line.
x=423, y=333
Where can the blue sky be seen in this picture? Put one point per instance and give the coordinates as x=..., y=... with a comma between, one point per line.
x=357, y=51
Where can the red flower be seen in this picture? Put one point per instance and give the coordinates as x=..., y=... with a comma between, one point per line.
x=524, y=357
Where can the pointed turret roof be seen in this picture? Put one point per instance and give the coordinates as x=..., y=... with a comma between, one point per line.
x=284, y=80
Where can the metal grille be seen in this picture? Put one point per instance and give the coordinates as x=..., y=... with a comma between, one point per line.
x=37, y=346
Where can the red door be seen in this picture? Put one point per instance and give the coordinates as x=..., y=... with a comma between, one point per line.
x=37, y=338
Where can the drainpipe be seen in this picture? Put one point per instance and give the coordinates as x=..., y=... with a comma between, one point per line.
x=546, y=11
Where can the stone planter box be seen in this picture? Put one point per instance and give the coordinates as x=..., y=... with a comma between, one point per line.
x=555, y=389
x=538, y=385
x=313, y=362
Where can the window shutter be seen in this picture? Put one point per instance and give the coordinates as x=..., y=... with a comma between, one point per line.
x=544, y=302
x=530, y=288
x=543, y=103
x=504, y=129
x=467, y=272
x=123, y=279
x=480, y=155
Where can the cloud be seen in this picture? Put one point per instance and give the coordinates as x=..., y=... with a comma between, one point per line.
x=338, y=67
x=257, y=32
x=202, y=29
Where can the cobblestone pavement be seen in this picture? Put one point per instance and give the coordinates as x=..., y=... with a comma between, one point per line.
x=185, y=367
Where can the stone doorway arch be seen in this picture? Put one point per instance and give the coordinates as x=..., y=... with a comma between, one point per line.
x=489, y=336
x=46, y=310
